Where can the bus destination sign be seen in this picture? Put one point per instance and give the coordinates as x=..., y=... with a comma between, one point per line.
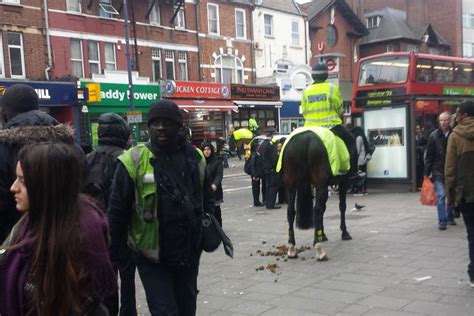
x=382, y=97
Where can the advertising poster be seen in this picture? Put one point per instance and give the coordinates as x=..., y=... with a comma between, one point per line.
x=386, y=128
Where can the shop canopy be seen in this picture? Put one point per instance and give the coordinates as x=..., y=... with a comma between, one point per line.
x=205, y=105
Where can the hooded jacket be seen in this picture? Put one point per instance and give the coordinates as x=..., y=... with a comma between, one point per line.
x=30, y=127
x=459, y=168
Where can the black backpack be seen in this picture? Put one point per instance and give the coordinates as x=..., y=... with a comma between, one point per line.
x=100, y=171
x=247, y=169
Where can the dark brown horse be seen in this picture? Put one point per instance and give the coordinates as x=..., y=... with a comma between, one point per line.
x=305, y=169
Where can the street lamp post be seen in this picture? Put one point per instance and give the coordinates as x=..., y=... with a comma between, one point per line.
x=129, y=63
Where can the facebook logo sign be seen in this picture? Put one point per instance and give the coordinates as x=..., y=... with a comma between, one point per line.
x=317, y=98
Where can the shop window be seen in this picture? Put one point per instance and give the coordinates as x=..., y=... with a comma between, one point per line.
x=94, y=61
x=270, y=114
x=240, y=31
x=463, y=73
x=73, y=5
x=76, y=58
x=156, y=59
x=268, y=24
x=443, y=71
x=295, y=33
x=17, y=58
x=109, y=53
x=183, y=66
x=2, y=64
x=424, y=71
x=155, y=14
x=331, y=35
x=169, y=63
x=179, y=21
x=229, y=69
x=213, y=18
x=106, y=9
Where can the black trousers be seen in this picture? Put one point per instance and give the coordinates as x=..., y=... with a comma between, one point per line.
x=169, y=291
x=351, y=145
x=256, y=191
x=128, y=305
x=467, y=210
x=271, y=189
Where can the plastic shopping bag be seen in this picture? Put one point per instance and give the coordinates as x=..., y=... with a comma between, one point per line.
x=428, y=193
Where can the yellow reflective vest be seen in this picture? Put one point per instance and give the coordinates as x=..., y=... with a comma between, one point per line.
x=242, y=133
x=322, y=105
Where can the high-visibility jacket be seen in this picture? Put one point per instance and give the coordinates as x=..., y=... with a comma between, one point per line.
x=253, y=125
x=322, y=105
x=144, y=226
x=242, y=133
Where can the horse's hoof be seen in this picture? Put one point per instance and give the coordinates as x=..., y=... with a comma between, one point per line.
x=320, y=253
x=346, y=236
x=292, y=254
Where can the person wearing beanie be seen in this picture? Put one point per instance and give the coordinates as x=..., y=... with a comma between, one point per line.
x=114, y=133
x=23, y=122
x=159, y=194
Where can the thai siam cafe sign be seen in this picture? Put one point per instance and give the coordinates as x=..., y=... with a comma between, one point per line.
x=195, y=90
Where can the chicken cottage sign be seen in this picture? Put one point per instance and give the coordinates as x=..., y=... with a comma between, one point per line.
x=195, y=90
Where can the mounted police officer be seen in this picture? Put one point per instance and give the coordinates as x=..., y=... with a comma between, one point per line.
x=322, y=105
x=159, y=193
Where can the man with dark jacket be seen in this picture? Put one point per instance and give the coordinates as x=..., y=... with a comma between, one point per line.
x=269, y=155
x=459, y=173
x=256, y=174
x=114, y=133
x=22, y=123
x=159, y=193
x=434, y=166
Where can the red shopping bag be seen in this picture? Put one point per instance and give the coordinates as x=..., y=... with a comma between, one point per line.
x=428, y=193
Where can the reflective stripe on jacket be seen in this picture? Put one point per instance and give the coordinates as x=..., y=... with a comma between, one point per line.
x=322, y=105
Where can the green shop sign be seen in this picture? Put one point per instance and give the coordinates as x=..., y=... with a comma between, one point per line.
x=458, y=90
x=116, y=95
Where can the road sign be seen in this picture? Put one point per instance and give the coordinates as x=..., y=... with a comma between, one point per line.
x=134, y=117
x=331, y=64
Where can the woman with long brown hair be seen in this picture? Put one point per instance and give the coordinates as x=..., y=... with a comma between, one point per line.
x=55, y=261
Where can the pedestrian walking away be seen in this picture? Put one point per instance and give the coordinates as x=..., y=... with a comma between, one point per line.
x=114, y=134
x=55, y=260
x=159, y=194
x=459, y=173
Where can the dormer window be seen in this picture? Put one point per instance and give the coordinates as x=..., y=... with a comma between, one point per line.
x=373, y=21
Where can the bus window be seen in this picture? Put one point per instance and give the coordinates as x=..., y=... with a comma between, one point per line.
x=463, y=73
x=424, y=71
x=443, y=71
x=384, y=70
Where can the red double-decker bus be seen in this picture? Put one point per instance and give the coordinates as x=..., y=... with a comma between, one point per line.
x=393, y=92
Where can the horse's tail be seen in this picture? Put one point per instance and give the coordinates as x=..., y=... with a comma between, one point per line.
x=304, y=204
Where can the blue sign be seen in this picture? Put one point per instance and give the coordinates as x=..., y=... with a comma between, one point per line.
x=49, y=93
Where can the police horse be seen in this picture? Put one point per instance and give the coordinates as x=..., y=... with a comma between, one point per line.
x=306, y=168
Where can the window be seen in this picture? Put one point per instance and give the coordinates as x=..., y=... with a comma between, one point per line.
x=76, y=58
x=109, y=54
x=2, y=65
x=463, y=73
x=94, y=62
x=412, y=48
x=169, y=64
x=240, y=28
x=155, y=16
x=468, y=20
x=229, y=69
x=331, y=35
x=268, y=24
x=390, y=48
x=17, y=59
x=468, y=49
x=383, y=70
x=373, y=21
x=443, y=71
x=424, y=70
x=295, y=33
x=156, y=59
x=433, y=50
x=73, y=5
x=179, y=20
x=183, y=66
x=106, y=10
x=213, y=18
x=11, y=1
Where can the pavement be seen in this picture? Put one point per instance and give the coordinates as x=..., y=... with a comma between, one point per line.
x=398, y=262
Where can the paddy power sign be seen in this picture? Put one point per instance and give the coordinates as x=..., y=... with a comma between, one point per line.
x=116, y=94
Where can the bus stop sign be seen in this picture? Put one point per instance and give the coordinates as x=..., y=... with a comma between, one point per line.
x=134, y=117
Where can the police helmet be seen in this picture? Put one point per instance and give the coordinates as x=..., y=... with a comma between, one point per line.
x=319, y=72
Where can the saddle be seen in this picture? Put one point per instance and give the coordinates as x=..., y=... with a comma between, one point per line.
x=338, y=155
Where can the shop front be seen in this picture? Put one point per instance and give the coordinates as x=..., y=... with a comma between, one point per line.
x=263, y=102
x=206, y=108
x=114, y=97
x=59, y=99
